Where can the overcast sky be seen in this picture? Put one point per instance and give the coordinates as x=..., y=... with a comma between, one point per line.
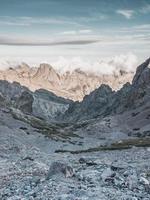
x=49, y=30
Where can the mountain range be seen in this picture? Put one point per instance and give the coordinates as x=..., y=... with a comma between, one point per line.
x=104, y=101
x=55, y=147
x=72, y=85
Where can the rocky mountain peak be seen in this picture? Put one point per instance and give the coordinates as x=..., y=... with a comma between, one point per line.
x=79, y=71
x=99, y=94
x=72, y=85
x=142, y=75
x=103, y=101
x=23, y=66
x=44, y=70
x=44, y=67
x=47, y=73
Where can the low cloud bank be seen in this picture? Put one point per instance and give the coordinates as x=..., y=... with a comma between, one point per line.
x=127, y=63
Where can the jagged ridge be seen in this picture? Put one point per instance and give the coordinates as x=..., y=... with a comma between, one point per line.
x=73, y=85
x=103, y=101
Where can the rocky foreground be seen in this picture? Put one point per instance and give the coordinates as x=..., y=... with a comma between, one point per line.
x=53, y=148
x=26, y=156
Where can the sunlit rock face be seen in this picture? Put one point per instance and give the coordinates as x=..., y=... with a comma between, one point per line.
x=70, y=84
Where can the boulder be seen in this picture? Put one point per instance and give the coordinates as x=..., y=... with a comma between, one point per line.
x=107, y=175
x=60, y=168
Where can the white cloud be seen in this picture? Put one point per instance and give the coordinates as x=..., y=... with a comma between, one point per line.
x=28, y=21
x=76, y=32
x=93, y=17
x=111, y=65
x=145, y=9
x=128, y=14
x=85, y=31
x=142, y=26
x=13, y=23
x=62, y=64
x=69, y=33
x=136, y=29
x=47, y=41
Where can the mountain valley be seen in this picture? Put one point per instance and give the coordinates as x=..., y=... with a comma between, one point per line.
x=100, y=146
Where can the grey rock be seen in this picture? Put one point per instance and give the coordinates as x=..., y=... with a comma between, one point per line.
x=41, y=103
x=107, y=175
x=142, y=75
x=119, y=181
x=92, y=105
x=143, y=180
x=103, y=101
x=48, y=106
x=87, y=161
x=58, y=167
x=132, y=181
x=24, y=102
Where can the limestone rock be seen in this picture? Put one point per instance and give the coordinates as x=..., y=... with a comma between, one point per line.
x=58, y=167
x=103, y=101
x=72, y=85
x=42, y=103
x=107, y=174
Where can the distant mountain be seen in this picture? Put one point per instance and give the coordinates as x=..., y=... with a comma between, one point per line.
x=100, y=103
x=72, y=85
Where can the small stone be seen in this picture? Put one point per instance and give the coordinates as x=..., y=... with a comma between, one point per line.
x=82, y=160
x=132, y=181
x=144, y=181
x=148, y=149
x=107, y=174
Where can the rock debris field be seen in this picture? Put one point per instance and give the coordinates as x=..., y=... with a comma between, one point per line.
x=27, y=157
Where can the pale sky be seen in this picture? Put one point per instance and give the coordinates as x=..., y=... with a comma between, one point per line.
x=75, y=30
